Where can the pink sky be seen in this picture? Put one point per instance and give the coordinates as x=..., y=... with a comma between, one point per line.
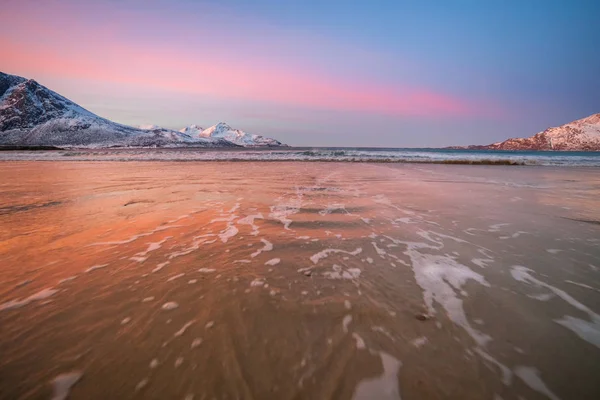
x=55, y=44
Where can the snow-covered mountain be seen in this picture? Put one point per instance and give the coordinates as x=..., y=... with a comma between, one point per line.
x=192, y=130
x=183, y=138
x=33, y=115
x=239, y=137
x=582, y=134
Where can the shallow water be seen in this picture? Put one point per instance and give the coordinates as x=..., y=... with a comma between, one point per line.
x=298, y=281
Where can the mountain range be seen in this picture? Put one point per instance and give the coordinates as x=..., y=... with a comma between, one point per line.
x=580, y=135
x=33, y=115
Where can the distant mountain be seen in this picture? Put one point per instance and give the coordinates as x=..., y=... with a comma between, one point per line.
x=33, y=115
x=192, y=130
x=239, y=137
x=580, y=135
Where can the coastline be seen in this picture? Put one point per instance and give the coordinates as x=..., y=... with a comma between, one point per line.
x=313, y=154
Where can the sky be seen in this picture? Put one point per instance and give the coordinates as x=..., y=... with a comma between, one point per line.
x=317, y=73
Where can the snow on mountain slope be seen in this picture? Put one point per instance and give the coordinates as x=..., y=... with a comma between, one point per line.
x=580, y=135
x=31, y=114
x=192, y=130
x=239, y=137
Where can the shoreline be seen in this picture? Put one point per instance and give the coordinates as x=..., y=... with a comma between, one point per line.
x=308, y=155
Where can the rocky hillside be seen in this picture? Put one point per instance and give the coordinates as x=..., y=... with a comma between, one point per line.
x=33, y=115
x=580, y=135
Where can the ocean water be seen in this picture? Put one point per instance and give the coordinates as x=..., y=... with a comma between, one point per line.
x=557, y=158
x=297, y=280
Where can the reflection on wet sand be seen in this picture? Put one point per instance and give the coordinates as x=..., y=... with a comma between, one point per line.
x=291, y=280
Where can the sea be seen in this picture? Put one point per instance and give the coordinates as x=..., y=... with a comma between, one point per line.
x=346, y=154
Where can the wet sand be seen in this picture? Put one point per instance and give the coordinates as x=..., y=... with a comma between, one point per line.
x=298, y=281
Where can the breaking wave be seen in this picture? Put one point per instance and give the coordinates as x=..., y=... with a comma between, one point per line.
x=430, y=156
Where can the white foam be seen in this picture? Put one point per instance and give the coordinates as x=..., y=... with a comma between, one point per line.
x=249, y=220
x=63, y=383
x=147, y=299
x=175, y=277
x=206, y=270
x=553, y=251
x=95, y=267
x=267, y=246
x=170, y=305
x=339, y=273
x=315, y=258
x=273, y=261
x=384, y=387
x=196, y=342
x=257, y=282
x=588, y=331
x=160, y=266
x=198, y=240
x=496, y=227
x=70, y=278
x=153, y=363
x=282, y=211
x=531, y=377
x=192, y=281
x=583, y=285
x=506, y=372
x=153, y=246
x=125, y=320
x=209, y=324
x=228, y=233
x=383, y=199
x=184, y=328
x=482, y=262
x=541, y=297
x=419, y=342
x=514, y=235
x=379, y=251
x=360, y=343
x=141, y=384
x=347, y=304
x=440, y=277
x=41, y=295
x=346, y=322
x=333, y=207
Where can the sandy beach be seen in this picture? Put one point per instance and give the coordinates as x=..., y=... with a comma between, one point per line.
x=249, y=280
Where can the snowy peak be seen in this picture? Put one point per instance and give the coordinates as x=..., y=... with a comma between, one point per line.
x=237, y=136
x=192, y=130
x=149, y=127
x=580, y=135
x=25, y=104
x=8, y=81
x=31, y=114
